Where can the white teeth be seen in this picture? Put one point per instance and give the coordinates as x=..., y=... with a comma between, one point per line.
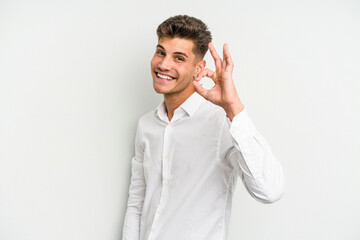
x=164, y=77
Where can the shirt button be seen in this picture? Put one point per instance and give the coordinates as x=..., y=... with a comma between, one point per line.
x=152, y=238
x=159, y=211
x=166, y=156
x=166, y=182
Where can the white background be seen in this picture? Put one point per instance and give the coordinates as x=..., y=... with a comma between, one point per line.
x=75, y=77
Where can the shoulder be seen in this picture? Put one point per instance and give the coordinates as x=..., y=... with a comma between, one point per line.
x=212, y=112
x=212, y=117
x=146, y=120
x=143, y=124
x=147, y=117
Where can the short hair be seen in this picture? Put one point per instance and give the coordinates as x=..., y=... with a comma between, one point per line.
x=183, y=26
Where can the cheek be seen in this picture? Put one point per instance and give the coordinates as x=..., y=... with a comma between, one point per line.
x=153, y=62
x=187, y=71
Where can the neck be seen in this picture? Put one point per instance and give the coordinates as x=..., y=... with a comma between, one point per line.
x=173, y=101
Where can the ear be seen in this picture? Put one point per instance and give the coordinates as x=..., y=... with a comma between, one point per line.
x=200, y=66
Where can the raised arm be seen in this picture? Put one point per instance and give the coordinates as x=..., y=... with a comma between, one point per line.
x=243, y=146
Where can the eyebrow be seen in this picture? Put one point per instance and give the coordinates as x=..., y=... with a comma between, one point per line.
x=181, y=53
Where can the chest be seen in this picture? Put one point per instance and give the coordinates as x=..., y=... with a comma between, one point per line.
x=182, y=149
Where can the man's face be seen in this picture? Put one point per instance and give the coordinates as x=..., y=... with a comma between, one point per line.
x=173, y=66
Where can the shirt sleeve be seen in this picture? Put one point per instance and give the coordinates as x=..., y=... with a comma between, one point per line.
x=250, y=155
x=131, y=230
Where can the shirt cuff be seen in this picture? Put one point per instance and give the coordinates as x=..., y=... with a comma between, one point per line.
x=241, y=126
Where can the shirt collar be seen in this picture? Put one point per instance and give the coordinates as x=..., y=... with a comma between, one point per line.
x=160, y=111
x=189, y=106
x=192, y=103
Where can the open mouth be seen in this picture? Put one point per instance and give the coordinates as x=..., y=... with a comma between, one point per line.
x=164, y=76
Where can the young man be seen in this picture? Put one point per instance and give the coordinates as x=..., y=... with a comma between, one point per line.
x=190, y=151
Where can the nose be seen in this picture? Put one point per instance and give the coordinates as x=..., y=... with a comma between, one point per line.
x=164, y=64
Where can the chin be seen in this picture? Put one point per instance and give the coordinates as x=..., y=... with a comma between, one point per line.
x=162, y=88
x=159, y=89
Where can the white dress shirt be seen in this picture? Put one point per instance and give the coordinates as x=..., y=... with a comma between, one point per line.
x=184, y=172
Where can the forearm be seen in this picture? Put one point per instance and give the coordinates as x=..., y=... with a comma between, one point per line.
x=261, y=172
x=258, y=168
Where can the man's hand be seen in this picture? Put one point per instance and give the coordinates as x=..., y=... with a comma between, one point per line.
x=224, y=92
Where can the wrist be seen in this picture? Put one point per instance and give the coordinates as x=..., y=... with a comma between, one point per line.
x=233, y=109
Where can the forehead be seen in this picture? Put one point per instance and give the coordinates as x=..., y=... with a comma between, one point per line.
x=173, y=45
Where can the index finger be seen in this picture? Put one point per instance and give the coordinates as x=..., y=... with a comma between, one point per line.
x=206, y=73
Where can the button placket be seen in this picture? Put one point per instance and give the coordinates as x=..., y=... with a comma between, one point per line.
x=166, y=172
x=167, y=135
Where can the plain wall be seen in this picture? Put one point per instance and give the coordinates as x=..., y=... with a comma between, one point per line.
x=75, y=78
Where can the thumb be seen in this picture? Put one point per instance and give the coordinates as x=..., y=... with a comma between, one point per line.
x=199, y=89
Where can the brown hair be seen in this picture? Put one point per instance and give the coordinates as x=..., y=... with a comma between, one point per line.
x=183, y=26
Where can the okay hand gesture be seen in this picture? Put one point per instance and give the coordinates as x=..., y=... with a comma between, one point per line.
x=224, y=92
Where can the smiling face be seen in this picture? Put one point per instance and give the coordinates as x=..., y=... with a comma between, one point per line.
x=174, y=66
